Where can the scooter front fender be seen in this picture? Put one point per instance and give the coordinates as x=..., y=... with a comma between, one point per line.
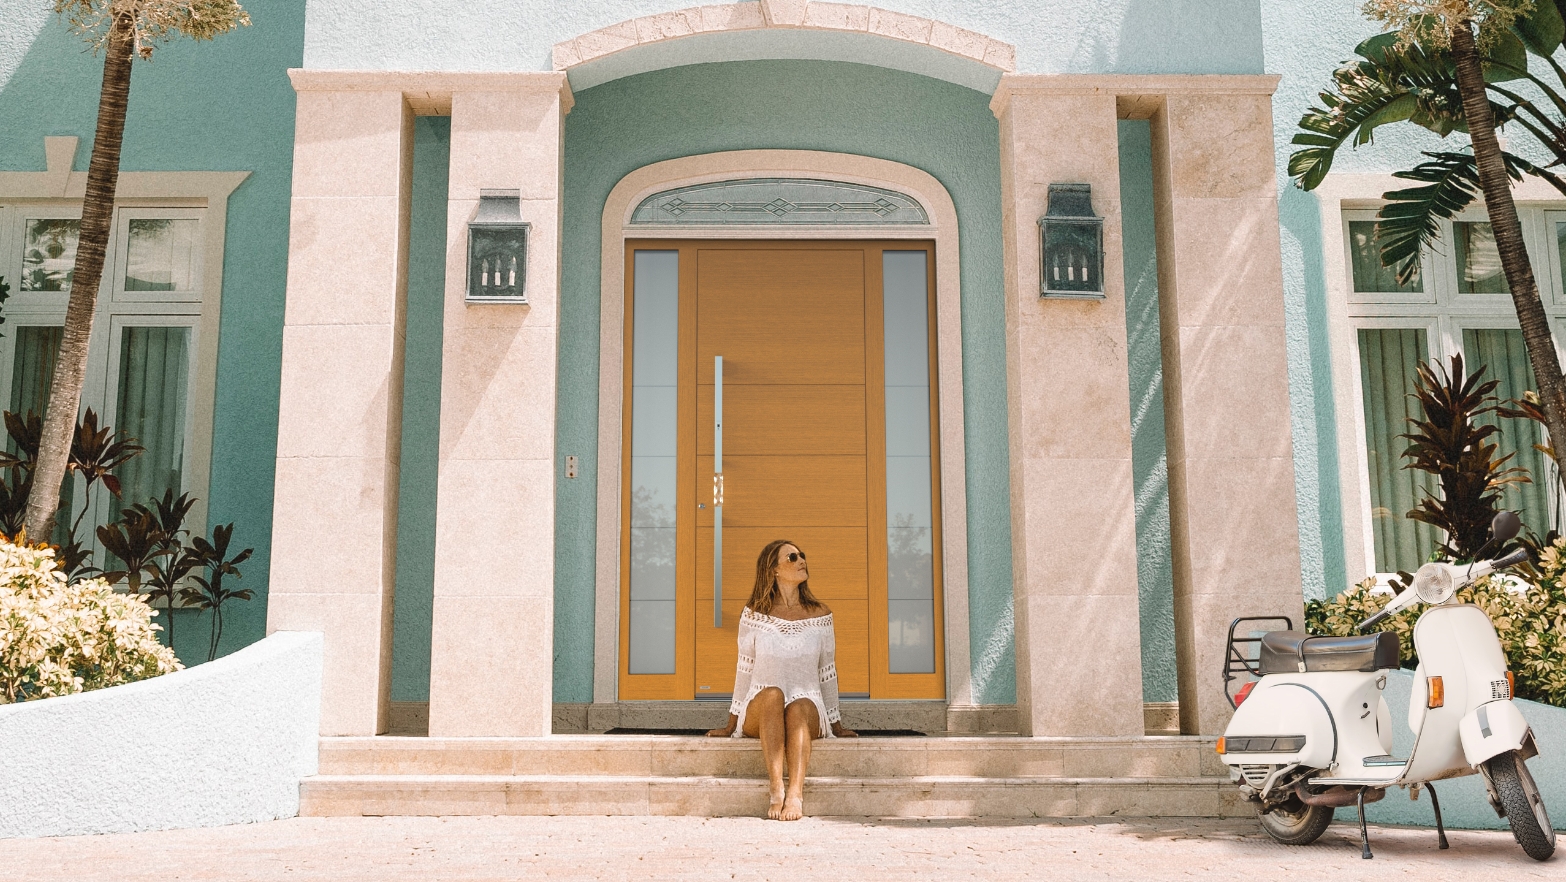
x=1492, y=729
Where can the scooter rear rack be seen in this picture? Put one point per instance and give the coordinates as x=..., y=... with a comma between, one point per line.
x=1236, y=662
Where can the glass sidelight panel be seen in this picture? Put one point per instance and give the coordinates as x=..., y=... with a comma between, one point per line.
x=1478, y=259
x=654, y=397
x=910, y=562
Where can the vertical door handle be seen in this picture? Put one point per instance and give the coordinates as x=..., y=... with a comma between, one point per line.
x=717, y=491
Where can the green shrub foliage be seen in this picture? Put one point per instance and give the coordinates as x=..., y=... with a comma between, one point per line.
x=1531, y=624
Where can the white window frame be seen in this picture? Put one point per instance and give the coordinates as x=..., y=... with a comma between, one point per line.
x=1442, y=312
x=58, y=192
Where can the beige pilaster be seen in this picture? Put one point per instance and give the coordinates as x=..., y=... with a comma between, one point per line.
x=1069, y=415
x=491, y=657
x=340, y=408
x=1226, y=390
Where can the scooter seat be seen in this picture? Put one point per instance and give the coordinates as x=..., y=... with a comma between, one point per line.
x=1282, y=652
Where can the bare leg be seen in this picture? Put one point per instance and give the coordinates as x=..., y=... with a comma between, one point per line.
x=802, y=724
x=764, y=720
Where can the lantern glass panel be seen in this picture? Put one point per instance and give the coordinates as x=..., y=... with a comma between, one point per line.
x=497, y=262
x=1073, y=256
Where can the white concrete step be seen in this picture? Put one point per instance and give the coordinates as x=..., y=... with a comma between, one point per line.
x=893, y=777
x=662, y=755
x=917, y=797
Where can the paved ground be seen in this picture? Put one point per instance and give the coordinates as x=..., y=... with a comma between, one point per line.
x=813, y=850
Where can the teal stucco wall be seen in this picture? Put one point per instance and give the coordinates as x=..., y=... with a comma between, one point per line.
x=221, y=106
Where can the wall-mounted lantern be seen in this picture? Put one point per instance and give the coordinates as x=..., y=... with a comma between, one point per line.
x=497, y=249
x=1071, y=245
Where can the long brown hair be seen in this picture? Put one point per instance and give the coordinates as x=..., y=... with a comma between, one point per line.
x=766, y=592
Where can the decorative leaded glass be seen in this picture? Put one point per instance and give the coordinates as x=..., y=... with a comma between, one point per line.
x=779, y=201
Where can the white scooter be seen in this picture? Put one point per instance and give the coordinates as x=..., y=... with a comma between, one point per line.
x=1313, y=733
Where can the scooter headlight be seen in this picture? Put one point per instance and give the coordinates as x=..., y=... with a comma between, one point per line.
x=1434, y=584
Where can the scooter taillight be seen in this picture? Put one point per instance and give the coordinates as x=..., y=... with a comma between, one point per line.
x=1245, y=691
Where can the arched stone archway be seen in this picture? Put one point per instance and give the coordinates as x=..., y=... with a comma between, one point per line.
x=785, y=29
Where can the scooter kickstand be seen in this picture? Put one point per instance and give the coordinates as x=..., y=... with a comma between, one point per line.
x=1364, y=834
x=1435, y=803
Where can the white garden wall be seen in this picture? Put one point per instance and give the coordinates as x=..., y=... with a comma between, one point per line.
x=222, y=743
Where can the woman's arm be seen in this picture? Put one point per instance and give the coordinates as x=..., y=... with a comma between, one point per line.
x=828, y=666
x=725, y=731
x=742, y=674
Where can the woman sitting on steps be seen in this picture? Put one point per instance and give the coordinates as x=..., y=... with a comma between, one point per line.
x=785, y=685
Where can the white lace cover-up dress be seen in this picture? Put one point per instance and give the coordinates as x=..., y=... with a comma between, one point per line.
x=797, y=657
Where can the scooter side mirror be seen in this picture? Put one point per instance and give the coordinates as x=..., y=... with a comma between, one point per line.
x=1505, y=526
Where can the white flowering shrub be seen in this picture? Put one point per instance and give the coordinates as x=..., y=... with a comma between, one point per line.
x=59, y=637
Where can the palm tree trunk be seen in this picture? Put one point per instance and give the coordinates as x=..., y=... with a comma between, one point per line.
x=1502, y=210
x=103, y=174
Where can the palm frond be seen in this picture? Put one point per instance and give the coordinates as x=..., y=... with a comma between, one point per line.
x=1390, y=84
x=1411, y=218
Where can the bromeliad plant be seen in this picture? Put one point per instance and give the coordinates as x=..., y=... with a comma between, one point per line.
x=1450, y=442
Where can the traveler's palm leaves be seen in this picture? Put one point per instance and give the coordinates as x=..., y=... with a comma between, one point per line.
x=1411, y=218
x=1391, y=84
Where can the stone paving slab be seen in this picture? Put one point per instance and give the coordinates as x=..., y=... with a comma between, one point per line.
x=848, y=849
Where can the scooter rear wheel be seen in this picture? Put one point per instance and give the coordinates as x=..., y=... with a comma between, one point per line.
x=1294, y=822
x=1524, y=808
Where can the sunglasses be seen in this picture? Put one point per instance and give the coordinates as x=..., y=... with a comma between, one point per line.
x=794, y=556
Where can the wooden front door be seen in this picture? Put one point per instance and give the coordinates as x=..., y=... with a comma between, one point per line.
x=789, y=339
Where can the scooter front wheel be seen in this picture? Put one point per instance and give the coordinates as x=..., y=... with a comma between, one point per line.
x=1524, y=807
x=1294, y=822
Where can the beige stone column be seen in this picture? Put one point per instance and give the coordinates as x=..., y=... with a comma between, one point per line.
x=1226, y=390
x=1068, y=401
x=491, y=657
x=340, y=406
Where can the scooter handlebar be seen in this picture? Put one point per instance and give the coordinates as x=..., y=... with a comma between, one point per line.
x=1375, y=619
x=1512, y=559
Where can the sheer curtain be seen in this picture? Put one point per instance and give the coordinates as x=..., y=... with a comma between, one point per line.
x=32, y=370
x=1502, y=353
x=1388, y=361
x=153, y=379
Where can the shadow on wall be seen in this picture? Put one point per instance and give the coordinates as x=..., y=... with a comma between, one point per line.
x=1167, y=36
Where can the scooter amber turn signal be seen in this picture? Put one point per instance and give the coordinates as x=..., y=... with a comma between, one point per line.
x=1437, y=692
x=1220, y=744
x=1511, y=685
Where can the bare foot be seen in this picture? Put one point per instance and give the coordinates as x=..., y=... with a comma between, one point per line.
x=775, y=809
x=793, y=809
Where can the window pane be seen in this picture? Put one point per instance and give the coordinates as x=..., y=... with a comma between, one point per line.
x=160, y=255
x=1505, y=359
x=654, y=400
x=154, y=367
x=910, y=560
x=1478, y=260
x=1388, y=360
x=49, y=254
x=32, y=370
x=1369, y=275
